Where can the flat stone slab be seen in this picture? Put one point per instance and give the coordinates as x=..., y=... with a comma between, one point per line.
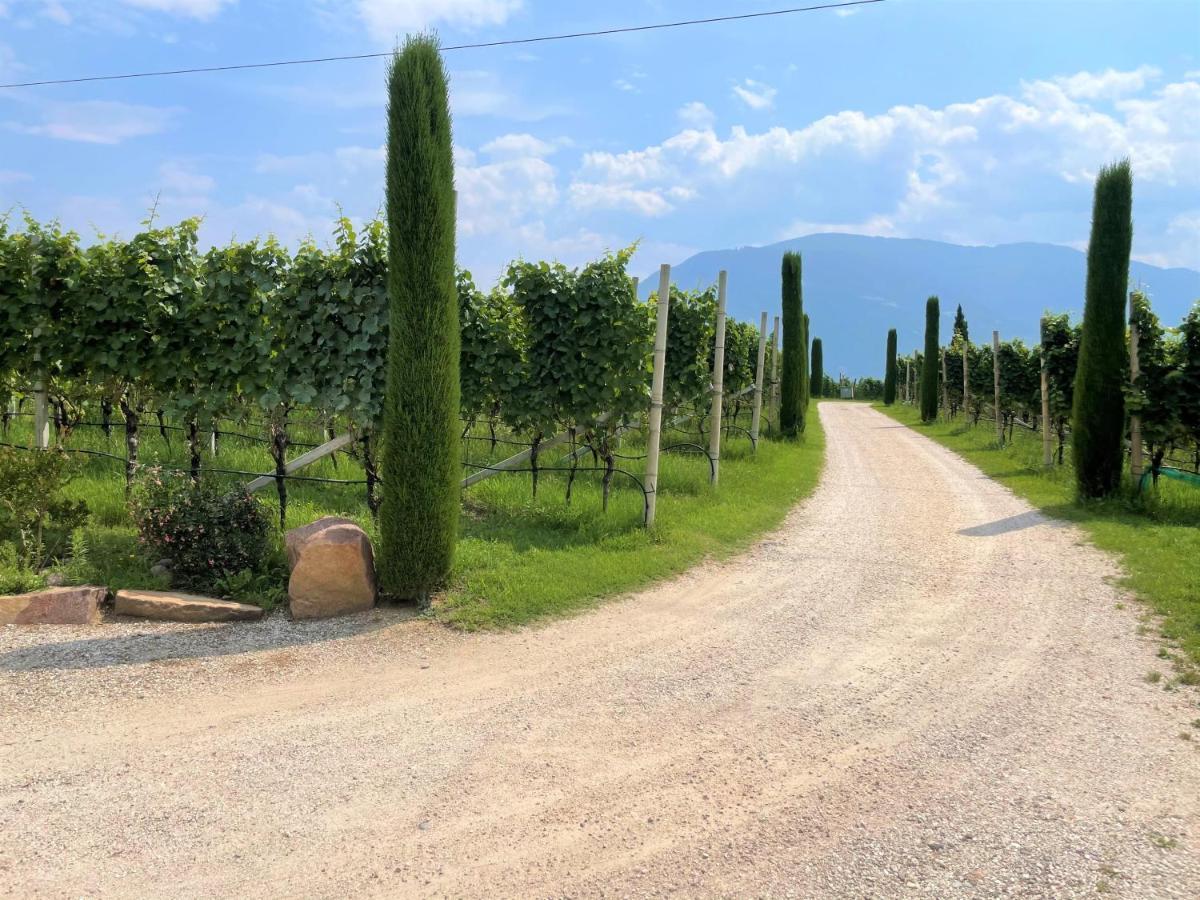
x=169, y=606
x=54, y=606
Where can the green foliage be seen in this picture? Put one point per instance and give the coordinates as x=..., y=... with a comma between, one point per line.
x=1155, y=396
x=420, y=462
x=890, y=371
x=1060, y=349
x=691, y=328
x=16, y=578
x=205, y=532
x=805, y=380
x=491, y=364
x=1098, y=416
x=791, y=393
x=34, y=515
x=1189, y=377
x=929, y=372
x=817, y=379
x=110, y=556
x=868, y=389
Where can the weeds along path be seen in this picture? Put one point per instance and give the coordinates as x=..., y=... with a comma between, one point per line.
x=917, y=687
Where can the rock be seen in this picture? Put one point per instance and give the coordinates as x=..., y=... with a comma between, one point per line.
x=160, y=571
x=298, y=537
x=164, y=564
x=172, y=607
x=333, y=569
x=56, y=579
x=54, y=606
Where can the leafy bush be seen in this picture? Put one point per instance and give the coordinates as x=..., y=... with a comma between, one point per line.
x=13, y=578
x=34, y=516
x=205, y=533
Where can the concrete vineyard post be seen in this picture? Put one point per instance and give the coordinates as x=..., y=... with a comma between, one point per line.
x=756, y=415
x=41, y=416
x=996, y=386
x=1135, y=421
x=775, y=372
x=1047, y=450
x=718, y=378
x=945, y=387
x=966, y=353
x=656, y=391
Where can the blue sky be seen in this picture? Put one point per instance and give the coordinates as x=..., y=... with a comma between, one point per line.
x=962, y=120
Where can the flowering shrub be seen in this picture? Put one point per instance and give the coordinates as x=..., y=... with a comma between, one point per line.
x=207, y=534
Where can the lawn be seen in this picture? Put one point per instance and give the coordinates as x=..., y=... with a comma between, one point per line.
x=520, y=558
x=1155, y=535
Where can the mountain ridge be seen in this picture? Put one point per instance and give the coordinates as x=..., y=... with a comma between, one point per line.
x=858, y=286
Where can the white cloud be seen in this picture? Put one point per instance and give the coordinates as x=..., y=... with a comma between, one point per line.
x=1107, y=84
x=589, y=195
x=496, y=197
x=696, y=115
x=388, y=18
x=755, y=94
x=477, y=92
x=97, y=121
x=56, y=12
x=518, y=145
x=179, y=178
x=192, y=9
x=11, y=177
x=627, y=86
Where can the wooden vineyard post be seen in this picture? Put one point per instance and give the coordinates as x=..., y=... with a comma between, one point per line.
x=945, y=388
x=41, y=417
x=1135, y=421
x=775, y=372
x=656, y=391
x=996, y=386
x=756, y=414
x=966, y=353
x=1047, y=451
x=718, y=379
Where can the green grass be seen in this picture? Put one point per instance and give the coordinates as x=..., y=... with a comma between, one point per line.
x=1156, y=536
x=519, y=559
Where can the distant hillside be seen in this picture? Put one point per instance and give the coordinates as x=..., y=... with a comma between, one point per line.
x=856, y=288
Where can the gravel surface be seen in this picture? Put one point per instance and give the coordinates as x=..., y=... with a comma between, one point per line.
x=916, y=688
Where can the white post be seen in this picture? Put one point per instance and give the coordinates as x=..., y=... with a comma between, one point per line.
x=966, y=353
x=996, y=386
x=718, y=379
x=1135, y=421
x=756, y=414
x=41, y=416
x=945, y=388
x=775, y=371
x=656, y=391
x=1047, y=452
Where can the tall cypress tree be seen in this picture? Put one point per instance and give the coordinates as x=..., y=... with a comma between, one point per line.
x=420, y=460
x=889, y=370
x=791, y=388
x=929, y=370
x=1098, y=412
x=805, y=385
x=960, y=324
x=818, y=369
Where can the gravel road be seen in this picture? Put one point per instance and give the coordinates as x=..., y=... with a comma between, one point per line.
x=917, y=687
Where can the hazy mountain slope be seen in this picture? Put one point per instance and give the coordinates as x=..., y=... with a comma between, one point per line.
x=857, y=287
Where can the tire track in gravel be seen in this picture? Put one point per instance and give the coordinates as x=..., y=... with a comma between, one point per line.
x=870, y=702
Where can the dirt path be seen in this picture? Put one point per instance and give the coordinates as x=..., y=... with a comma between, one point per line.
x=917, y=687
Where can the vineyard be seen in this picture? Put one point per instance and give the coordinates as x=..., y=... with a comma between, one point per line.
x=1004, y=380
x=247, y=366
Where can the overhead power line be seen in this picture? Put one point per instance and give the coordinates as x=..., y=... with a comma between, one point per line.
x=628, y=29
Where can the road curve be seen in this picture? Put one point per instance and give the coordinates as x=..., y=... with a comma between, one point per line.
x=916, y=687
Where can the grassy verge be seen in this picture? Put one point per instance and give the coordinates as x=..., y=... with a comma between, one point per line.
x=520, y=558
x=1155, y=536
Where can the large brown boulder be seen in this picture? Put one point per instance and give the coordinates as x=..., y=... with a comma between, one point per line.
x=54, y=606
x=333, y=569
x=172, y=607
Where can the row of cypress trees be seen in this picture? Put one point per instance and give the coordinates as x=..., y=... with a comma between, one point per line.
x=1098, y=420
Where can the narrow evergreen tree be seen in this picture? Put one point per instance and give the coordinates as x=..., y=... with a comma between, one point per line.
x=805, y=384
x=420, y=459
x=960, y=324
x=929, y=371
x=818, y=368
x=1098, y=412
x=889, y=370
x=791, y=388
